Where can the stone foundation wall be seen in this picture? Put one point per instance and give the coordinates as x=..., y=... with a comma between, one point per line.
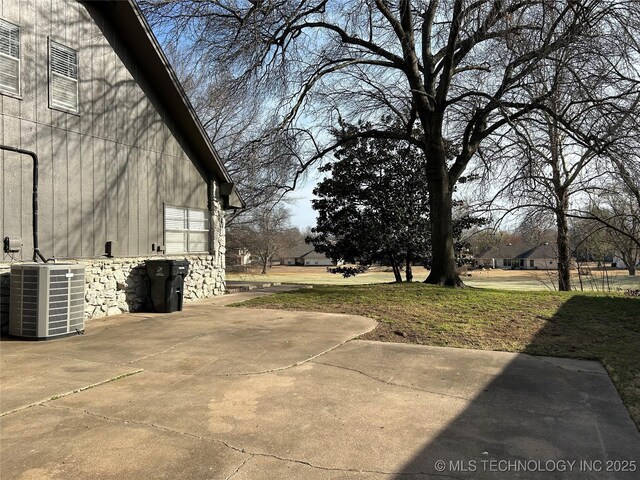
x=120, y=285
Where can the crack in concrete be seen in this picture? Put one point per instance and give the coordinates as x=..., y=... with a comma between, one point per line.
x=238, y=449
x=286, y=367
x=389, y=382
x=72, y=392
x=448, y=395
x=257, y=372
x=238, y=469
x=182, y=342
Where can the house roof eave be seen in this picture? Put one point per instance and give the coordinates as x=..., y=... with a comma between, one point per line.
x=130, y=25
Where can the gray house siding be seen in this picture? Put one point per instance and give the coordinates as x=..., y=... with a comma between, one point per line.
x=106, y=172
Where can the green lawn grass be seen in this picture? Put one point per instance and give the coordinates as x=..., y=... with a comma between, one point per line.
x=596, y=326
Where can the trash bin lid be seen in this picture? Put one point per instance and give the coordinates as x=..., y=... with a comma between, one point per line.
x=180, y=262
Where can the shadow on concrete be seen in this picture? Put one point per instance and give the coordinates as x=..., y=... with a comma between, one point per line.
x=578, y=415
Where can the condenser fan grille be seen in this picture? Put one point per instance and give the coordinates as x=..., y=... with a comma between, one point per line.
x=46, y=300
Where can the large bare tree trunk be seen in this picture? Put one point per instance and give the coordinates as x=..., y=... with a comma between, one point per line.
x=443, y=264
x=562, y=241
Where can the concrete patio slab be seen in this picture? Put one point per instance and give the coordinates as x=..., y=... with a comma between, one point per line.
x=219, y=392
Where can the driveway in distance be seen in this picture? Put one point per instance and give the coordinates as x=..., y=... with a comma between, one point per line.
x=216, y=392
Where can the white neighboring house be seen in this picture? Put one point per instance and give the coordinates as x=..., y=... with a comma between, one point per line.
x=239, y=257
x=620, y=263
x=520, y=256
x=314, y=259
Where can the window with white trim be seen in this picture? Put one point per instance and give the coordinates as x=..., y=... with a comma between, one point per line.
x=186, y=230
x=9, y=58
x=63, y=77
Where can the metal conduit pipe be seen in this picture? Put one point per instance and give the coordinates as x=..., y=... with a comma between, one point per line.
x=36, y=251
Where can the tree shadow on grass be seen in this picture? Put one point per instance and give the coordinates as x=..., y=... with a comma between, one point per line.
x=538, y=413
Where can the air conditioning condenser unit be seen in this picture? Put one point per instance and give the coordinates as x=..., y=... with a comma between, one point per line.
x=46, y=300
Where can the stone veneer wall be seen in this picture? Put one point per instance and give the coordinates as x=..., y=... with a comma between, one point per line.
x=120, y=285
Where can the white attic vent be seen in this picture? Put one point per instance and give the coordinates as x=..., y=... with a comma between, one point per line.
x=9, y=57
x=63, y=77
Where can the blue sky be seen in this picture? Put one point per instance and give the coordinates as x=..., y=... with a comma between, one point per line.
x=299, y=202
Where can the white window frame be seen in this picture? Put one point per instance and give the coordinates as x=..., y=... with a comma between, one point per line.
x=186, y=230
x=76, y=80
x=3, y=91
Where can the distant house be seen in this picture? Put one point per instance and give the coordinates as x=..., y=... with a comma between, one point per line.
x=295, y=255
x=521, y=256
x=238, y=257
x=126, y=169
x=305, y=256
x=315, y=259
x=618, y=262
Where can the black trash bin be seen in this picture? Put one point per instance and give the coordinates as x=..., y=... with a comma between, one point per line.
x=166, y=284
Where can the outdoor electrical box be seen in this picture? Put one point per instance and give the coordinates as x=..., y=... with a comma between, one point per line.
x=12, y=244
x=110, y=249
x=166, y=284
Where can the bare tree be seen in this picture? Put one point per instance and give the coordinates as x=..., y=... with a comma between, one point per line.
x=458, y=69
x=266, y=233
x=234, y=119
x=617, y=210
x=548, y=168
x=555, y=155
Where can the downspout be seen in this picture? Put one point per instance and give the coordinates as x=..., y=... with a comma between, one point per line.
x=36, y=250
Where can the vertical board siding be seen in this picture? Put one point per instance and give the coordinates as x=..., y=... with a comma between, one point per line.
x=87, y=230
x=122, y=187
x=144, y=245
x=99, y=196
x=111, y=182
x=132, y=198
x=60, y=194
x=28, y=140
x=45, y=189
x=105, y=173
x=74, y=192
x=155, y=235
x=12, y=194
